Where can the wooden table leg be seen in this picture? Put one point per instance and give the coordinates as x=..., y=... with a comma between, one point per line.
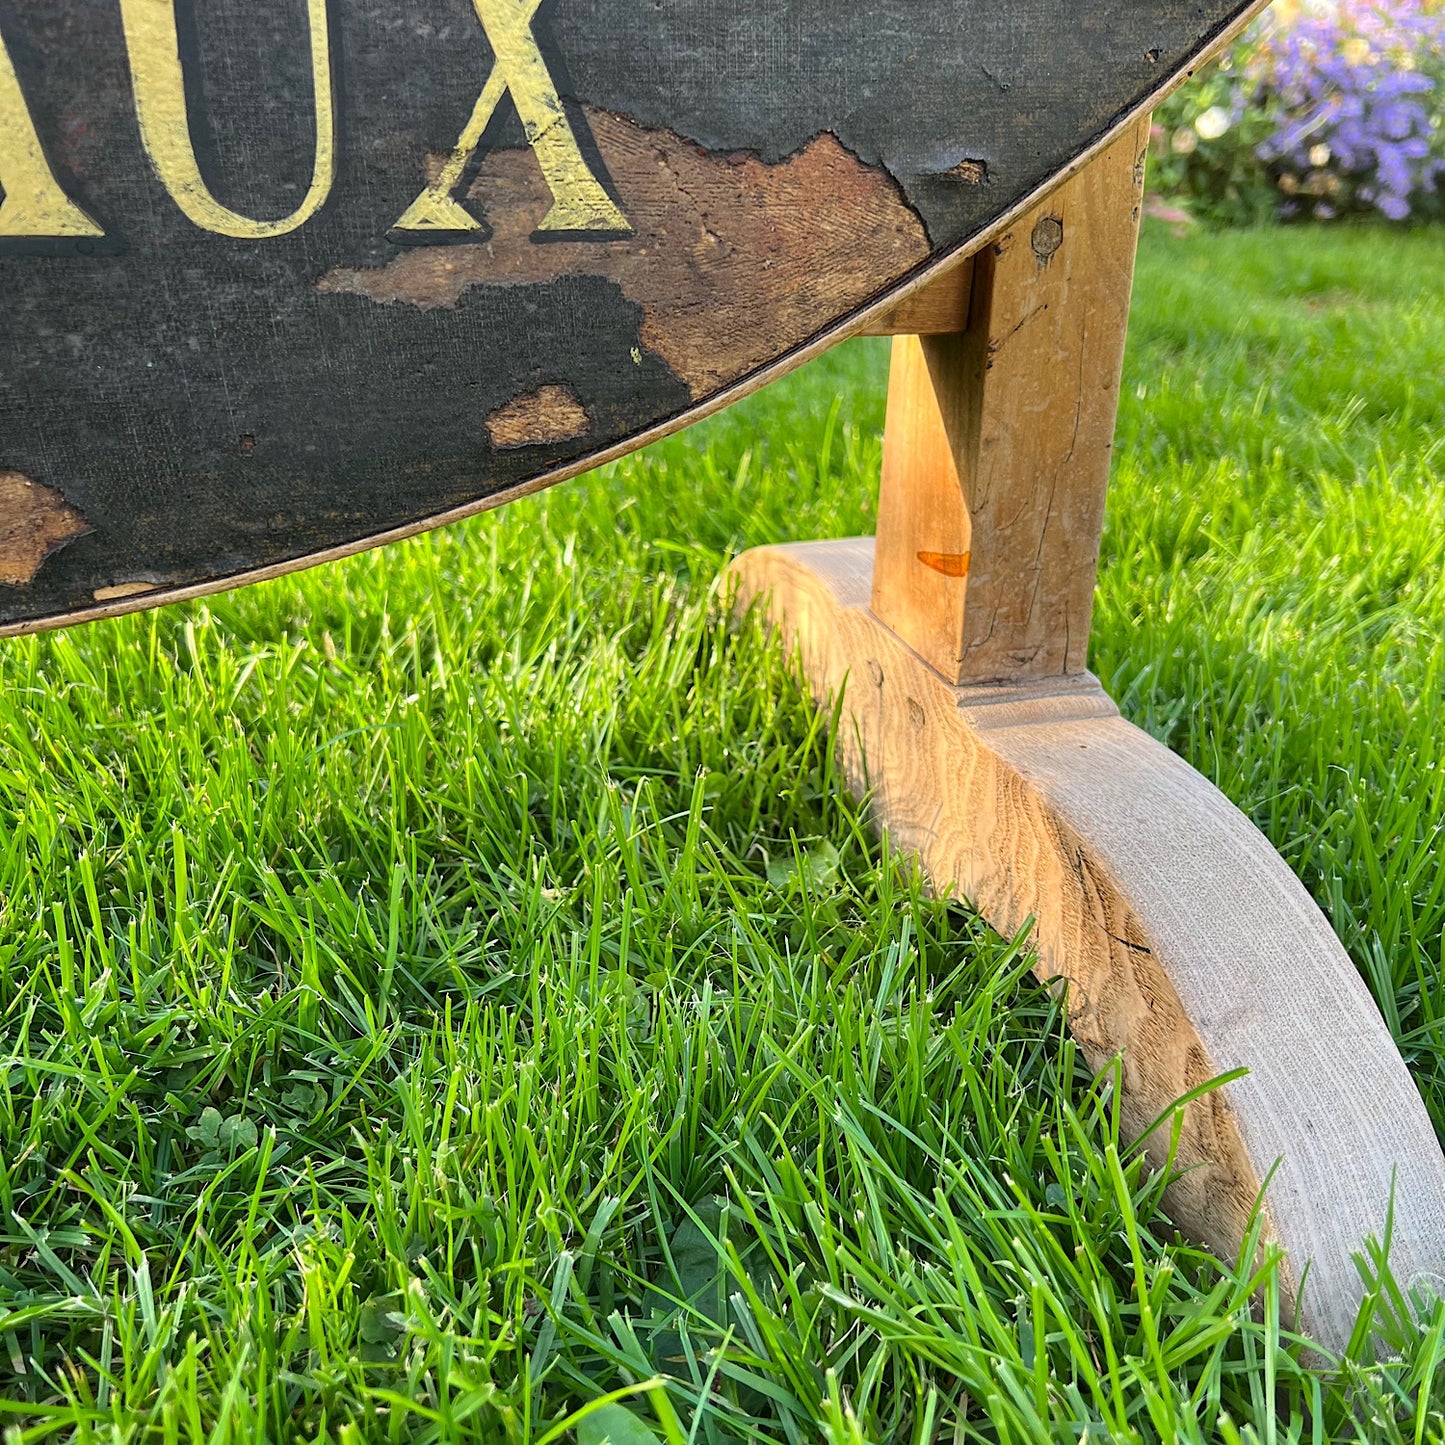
x=959, y=641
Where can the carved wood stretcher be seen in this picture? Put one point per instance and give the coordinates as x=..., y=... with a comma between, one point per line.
x=501, y=241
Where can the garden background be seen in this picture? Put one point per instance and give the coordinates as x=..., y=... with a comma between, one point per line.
x=1323, y=109
x=446, y=989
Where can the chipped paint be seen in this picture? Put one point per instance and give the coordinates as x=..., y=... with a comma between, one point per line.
x=122, y=590
x=35, y=523
x=970, y=172
x=805, y=238
x=580, y=203
x=552, y=414
x=230, y=418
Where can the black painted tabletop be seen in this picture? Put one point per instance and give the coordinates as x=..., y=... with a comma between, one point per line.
x=280, y=276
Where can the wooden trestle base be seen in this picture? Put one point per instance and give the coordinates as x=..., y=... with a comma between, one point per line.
x=957, y=643
x=1187, y=946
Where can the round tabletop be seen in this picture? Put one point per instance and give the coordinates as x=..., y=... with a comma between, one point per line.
x=284, y=281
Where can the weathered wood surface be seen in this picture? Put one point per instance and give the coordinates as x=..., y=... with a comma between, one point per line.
x=283, y=280
x=958, y=644
x=940, y=309
x=1187, y=946
x=1006, y=428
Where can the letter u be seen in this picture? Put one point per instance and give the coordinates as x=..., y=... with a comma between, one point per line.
x=153, y=44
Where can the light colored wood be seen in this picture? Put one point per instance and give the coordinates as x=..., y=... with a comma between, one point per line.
x=999, y=439
x=1187, y=946
x=939, y=309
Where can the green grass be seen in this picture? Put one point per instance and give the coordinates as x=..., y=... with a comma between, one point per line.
x=443, y=989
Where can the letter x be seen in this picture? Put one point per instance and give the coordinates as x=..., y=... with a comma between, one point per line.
x=580, y=205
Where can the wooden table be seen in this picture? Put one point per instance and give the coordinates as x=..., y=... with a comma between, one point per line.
x=284, y=281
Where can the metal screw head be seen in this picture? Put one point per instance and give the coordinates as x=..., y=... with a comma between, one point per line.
x=1048, y=237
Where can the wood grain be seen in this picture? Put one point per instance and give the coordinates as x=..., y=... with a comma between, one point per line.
x=549, y=414
x=35, y=523
x=1007, y=429
x=1187, y=947
x=807, y=237
x=940, y=309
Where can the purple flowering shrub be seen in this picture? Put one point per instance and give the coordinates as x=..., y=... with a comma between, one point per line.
x=1320, y=112
x=1358, y=101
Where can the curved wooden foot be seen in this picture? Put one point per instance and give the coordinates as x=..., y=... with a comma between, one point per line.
x=1188, y=947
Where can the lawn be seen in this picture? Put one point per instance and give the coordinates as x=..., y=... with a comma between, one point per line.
x=450, y=986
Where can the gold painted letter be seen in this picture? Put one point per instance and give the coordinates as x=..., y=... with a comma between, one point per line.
x=580, y=205
x=34, y=204
x=153, y=44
